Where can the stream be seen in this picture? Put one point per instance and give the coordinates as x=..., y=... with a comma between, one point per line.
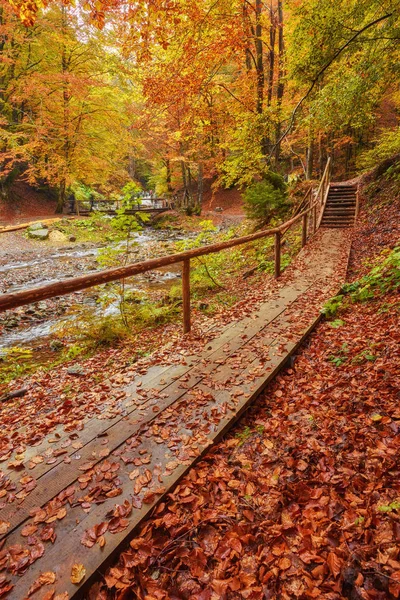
x=32, y=327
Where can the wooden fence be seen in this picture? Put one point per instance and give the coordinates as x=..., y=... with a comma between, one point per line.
x=310, y=218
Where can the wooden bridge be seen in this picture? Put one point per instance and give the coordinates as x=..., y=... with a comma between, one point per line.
x=95, y=484
x=150, y=206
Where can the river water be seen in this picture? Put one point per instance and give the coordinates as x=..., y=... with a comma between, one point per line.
x=32, y=327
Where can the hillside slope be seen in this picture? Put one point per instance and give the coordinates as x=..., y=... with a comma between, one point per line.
x=25, y=204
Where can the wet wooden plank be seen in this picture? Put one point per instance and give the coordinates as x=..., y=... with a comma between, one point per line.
x=160, y=377
x=58, y=476
x=67, y=548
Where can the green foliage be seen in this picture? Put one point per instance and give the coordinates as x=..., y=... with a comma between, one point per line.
x=206, y=236
x=363, y=356
x=14, y=362
x=167, y=222
x=383, y=278
x=387, y=145
x=84, y=194
x=336, y=323
x=207, y=268
x=244, y=435
x=265, y=198
x=103, y=332
x=388, y=508
x=341, y=357
x=127, y=223
x=130, y=192
x=73, y=351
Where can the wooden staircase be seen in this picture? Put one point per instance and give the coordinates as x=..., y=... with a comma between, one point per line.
x=341, y=206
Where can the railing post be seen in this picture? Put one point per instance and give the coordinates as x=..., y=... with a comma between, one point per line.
x=304, y=231
x=278, y=236
x=186, y=295
x=357, y=201
x=314, y=219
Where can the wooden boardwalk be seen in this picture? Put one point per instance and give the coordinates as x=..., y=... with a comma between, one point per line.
x=92, y=487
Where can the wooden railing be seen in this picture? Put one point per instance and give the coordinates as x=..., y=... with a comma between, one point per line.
x=308, y=217
x=323, y=190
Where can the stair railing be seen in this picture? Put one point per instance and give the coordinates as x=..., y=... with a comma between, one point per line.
x=322, y=194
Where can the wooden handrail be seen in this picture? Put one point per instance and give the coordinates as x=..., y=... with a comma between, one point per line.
x=76, y=284
x=299, y=207
x=323, y=204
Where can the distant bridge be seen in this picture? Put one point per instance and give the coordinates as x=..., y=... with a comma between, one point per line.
x=147, y=205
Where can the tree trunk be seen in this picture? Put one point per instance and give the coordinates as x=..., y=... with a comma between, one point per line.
x=259, y=59
x=66, y=99
x=168, y=176
x=280, y=83
x=272, y=36
x=61, y=197
x=200, y=185
x=310, y=154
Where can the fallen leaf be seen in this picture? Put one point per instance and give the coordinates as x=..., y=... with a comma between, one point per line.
x=78, y=573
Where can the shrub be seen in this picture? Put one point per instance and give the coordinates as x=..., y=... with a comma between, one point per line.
x=264, y=198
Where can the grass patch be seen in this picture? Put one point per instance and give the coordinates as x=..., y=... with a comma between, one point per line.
x=383, y=278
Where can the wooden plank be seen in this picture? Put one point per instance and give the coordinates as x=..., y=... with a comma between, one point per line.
x=160, y=377
x=304, y=232
x=60, y=475
x=186, y=295
x=67, y=548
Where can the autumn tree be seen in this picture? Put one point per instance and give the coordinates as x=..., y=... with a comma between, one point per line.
x=71, y=120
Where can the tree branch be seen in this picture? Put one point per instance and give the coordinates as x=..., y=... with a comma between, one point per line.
x=235, y=97
x=321, y=72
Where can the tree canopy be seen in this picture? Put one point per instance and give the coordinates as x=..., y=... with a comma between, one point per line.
x=170, y=92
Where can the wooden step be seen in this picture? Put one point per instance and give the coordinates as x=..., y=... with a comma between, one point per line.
x=335, y=226
x=347, y=207
x=337, y=220
x=343, y=187
x=341, y=195
x=339, y=213
x=339, y=201
x=342, y=198
x=340, y=207
x=327, y=223
x=339, y=217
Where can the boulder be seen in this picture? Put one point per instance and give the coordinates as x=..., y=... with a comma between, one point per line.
x=36, y=227
x=57, y=236
x=76, y=370
x=38, y=234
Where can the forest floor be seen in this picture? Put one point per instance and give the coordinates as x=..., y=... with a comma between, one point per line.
x=301, y=499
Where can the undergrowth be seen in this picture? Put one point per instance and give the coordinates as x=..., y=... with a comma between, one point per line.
x=383, y=278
